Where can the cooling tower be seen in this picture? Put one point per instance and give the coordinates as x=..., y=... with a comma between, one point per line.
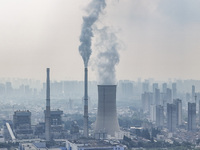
x=107, y=121
x=47, y=114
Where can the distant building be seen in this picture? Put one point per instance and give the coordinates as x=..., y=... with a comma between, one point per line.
x=155, y=86
x=159, y=116
x=193, y=93
x=145, y=87
x=191, y=116
x=147, y=100
x=174, y=90
x=171, y=117
x=157, y=97
x=169, y=95
x=164, y=87
x=153, y=113
x=178, y=104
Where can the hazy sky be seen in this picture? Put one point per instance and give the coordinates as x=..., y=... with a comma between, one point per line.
x=161, y=38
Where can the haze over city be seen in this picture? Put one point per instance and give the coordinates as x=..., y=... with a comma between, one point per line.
x=99, y=74
x=159, y=38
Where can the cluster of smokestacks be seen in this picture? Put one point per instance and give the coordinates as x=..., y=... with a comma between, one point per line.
x=47, y=113
x=106, y=117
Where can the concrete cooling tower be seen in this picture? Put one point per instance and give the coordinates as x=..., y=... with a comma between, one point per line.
x=107, y=121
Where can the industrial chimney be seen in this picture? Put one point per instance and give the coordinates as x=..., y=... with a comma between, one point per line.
x=86, y=104
x=47, y=113
x=107, y=121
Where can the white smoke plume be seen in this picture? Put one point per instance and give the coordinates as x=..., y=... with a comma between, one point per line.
x=93, y=10
x=107, y=46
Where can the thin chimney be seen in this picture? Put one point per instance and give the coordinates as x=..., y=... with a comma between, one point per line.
x=47, y=113
x=86, y=104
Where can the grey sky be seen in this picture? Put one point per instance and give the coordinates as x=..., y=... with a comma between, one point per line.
x=161, y=38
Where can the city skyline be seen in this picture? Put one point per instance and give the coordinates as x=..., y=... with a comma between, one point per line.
x=160, y=38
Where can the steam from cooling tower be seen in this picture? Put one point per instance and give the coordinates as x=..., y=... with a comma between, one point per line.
x=93, y=10
x=107, y=47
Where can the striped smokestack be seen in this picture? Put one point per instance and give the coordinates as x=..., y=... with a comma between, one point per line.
x=86, y=104
x=47, y=113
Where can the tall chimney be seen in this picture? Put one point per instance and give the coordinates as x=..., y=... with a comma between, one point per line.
x=107, y=121
x=86, y=104
x=47, y=113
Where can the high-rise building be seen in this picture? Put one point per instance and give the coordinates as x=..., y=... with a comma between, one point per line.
x=155, y=86
x=153, y=113
x=193, y=94
x=191, y=116
x=125, y=89
x=169, y=95
x=171, y=117
x=174, y=90
x=157, y=97
x=178, y=104
x=159, y=116
x=145, y=87
x=147, y=100
x=164, y=87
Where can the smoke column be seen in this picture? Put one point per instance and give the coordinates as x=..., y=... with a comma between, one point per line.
x=107, y=47
x=93, y=10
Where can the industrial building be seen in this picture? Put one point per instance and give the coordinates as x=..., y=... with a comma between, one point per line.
x=22, y=122
x=93, y=145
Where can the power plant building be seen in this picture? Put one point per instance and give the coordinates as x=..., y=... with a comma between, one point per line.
x=107, y=121
x=22, y=122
